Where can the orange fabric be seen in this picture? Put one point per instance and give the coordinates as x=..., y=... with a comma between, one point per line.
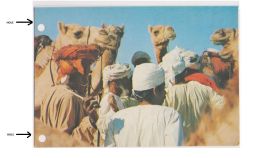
x=203, y=79
x=70, y=58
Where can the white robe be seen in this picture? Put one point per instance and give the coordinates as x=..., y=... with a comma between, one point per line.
x=191, y=100
x=145, y=126
x=105, y=112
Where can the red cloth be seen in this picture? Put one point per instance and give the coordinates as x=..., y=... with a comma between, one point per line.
x=202, y=79
x=220, y=65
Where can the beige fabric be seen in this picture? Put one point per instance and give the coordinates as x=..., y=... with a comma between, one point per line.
x=145, y=126
x=62, y=109
x=44, y=56
x=191, y=100
x=85, y=132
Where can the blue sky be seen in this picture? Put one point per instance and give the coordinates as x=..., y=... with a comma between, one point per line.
x=193, y=25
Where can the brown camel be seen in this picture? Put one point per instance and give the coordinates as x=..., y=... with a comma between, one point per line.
x=108, y=37
x=228, y=38
x=160, y=36
x=221, y=65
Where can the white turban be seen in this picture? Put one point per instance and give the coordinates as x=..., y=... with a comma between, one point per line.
x=191, y=59
x=212, y=50
x=147, y=76
x=173, y=64
x=114, y=72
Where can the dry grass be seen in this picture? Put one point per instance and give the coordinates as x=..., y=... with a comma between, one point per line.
x=54, y=138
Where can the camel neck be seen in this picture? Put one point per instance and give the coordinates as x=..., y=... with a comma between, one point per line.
x=160, y=52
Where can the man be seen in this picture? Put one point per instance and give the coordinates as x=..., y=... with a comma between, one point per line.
x=115, y=79
x=149, y=123
x=63, y=107
x=140, y=57
x=192, y=93
x=218, y=68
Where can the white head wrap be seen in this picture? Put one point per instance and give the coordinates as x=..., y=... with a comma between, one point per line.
x=173, y=64
x=191, y=59
x=114, y=72
x=212, y=50
x=147, y=76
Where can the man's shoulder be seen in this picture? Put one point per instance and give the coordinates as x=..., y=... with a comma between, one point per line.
x=66, y=92
x=146, y=108
x=187, y=86
x=126, y=112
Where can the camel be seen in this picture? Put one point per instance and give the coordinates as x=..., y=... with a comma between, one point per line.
x=221, y=65
x=228, y=38
x=108, y=37
x=160, y=36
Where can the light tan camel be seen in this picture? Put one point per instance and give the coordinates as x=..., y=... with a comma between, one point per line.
x=108, y=37
x=228, y=38
x=160, y=36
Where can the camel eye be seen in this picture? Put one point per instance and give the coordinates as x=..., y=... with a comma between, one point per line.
x=156, y=33
x=78, y=34
x=112, y=37
x=222, y=32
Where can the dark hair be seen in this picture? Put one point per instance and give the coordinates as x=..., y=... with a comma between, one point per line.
x=147, y=95
x=141, y=61
x=180, y=78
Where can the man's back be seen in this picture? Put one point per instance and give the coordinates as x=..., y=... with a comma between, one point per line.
x=62, y=109
x=146, y=125
x=191, y=100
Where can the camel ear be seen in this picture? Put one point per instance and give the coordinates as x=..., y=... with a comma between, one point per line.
x=236, y=32
x=103, y=25
x=122, y=27
x=62, y=28
x=150, y=28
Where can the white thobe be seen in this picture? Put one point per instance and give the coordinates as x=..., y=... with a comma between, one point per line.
x=191, y=100
x=145, y=126
x=105, y=112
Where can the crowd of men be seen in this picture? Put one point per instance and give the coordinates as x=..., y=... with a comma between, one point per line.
x=151, y=105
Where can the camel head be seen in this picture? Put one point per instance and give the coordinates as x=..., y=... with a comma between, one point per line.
x=72, y=34
x=224, y=36
x=109, y=36
x=228, y=38
x=161, y=35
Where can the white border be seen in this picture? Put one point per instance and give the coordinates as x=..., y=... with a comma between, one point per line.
x=131, y=3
